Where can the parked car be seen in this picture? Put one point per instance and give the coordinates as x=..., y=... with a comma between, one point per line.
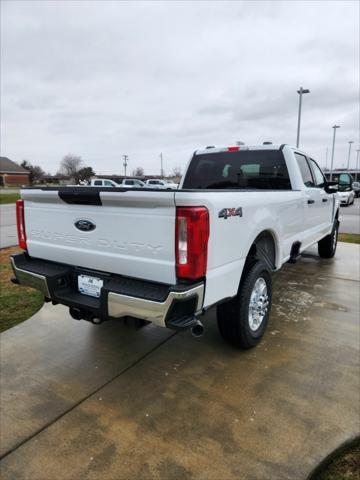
x=103, y=182
x=347, y=196
x=356, y=188
x=126, y=182
x=162, y=184
x=132, y=183
x=240, y=213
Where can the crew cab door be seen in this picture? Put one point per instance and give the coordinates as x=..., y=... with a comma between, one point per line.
x=325, y=199
x=313, y=208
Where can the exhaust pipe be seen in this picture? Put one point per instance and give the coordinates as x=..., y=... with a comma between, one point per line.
x=198, y=329
x=96, y=321
x=75, y=313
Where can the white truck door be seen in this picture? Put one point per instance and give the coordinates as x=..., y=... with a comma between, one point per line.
x=326, y=200
x=312, y=202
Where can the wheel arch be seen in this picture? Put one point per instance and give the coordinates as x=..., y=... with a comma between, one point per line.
x=265, y=247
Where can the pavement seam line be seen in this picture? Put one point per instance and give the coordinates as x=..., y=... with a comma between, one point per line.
x=40, y=430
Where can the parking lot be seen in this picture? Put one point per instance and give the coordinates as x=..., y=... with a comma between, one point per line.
x=350, y=218
x=85, y=401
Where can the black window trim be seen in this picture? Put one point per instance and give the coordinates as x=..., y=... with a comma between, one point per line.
x=311, y=171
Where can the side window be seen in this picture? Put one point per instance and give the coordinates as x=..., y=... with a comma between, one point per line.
x=305, y=170
x=129, y=182
x=319, y=177
x=107, y=183
x=98, y=182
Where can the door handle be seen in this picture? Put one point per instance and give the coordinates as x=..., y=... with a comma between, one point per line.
x=324, y=200
x=311, y=202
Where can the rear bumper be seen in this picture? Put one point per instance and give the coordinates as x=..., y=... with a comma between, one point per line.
x=173, y=306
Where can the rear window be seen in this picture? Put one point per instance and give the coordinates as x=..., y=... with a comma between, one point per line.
x=247, y=169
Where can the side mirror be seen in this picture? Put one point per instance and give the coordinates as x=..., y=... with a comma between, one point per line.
x=331, y=187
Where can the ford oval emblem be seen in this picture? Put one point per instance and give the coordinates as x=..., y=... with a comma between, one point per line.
x=85, y=225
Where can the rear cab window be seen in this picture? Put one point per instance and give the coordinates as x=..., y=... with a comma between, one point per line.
x=244, y=169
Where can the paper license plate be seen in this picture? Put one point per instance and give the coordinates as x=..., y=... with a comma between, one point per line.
x=90, y=285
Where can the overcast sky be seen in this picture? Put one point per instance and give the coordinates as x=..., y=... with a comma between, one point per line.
x=103, y=79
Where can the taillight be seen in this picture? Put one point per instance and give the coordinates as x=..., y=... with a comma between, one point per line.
x=20, y=222
x=192, y=234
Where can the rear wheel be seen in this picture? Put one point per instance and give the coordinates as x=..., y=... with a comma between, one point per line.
x=243, y=320
x=327, y=246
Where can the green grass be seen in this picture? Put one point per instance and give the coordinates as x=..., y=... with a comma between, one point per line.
x=17, y=303
x=344, y=467
x=9, y=197
x=349, y=237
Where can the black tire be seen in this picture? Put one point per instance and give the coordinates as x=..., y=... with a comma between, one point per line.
x=327, y=246
x=233, y=317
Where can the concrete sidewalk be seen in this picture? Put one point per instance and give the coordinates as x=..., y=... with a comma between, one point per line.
x=86, y=402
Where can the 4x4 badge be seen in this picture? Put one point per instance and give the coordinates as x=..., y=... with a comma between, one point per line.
x=230, y=212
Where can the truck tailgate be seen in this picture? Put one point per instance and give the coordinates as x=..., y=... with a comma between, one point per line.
x=133, y=234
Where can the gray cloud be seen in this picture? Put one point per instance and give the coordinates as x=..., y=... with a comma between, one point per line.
x=101, y=79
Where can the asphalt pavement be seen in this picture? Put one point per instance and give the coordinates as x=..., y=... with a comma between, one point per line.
x=8, y=235
x=350, y=218
x=81, y=401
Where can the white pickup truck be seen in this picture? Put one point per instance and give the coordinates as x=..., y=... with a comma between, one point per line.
x=125, y=182
x=159, y=183
x=166, y=257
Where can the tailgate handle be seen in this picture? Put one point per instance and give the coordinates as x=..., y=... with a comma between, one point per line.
x=83, y=197
x=310, y=202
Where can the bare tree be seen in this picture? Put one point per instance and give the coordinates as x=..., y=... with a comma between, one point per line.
x=36, y=172
x=177, y=171
x=70, y=165
x=138, y=172
x=86, y=173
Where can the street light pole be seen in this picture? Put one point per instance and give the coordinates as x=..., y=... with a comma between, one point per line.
x=326, y=157
x=348, y=162
x=161, y=161
x=333, y=149
x=125, y=157
x=300, y=92
x=357, y=160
